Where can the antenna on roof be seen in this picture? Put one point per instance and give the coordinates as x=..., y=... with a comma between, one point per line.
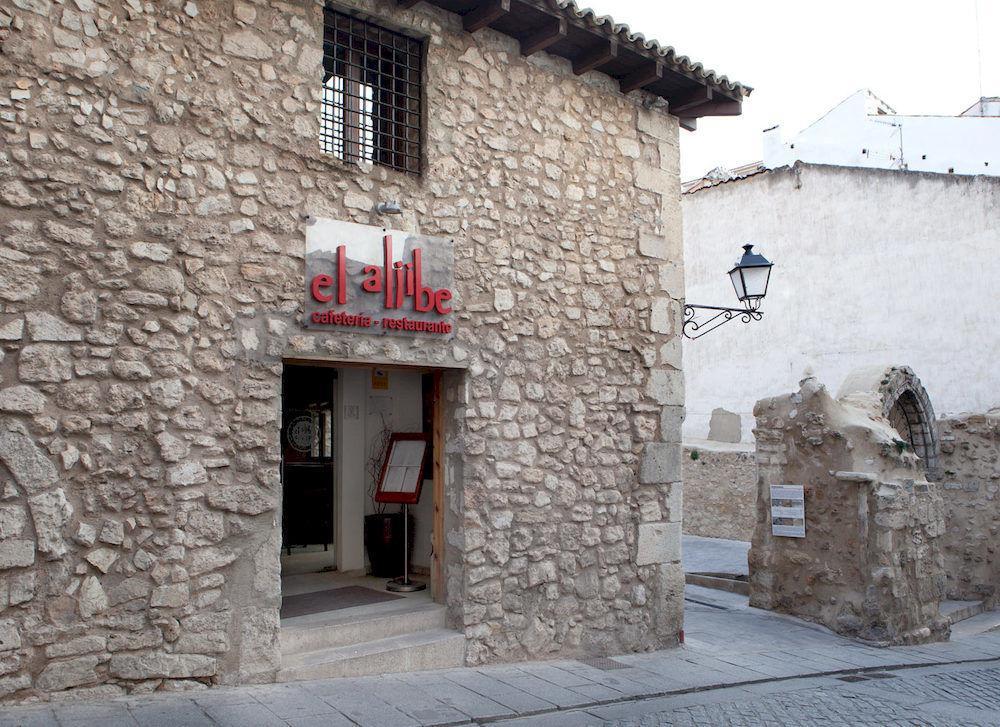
x=979, y=48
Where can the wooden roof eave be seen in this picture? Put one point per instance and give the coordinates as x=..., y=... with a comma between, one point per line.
x=636, y=65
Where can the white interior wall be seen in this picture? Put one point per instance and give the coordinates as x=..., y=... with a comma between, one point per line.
x=402, y=406
x=349, y=493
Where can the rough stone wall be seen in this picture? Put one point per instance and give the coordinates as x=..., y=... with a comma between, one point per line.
x=720, y=492
x=970, y=464
x=156, y=164
x=870, y=565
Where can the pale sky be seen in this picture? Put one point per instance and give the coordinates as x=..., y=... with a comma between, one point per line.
x=803, y=58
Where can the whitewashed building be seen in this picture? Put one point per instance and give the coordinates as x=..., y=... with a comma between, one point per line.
x=884, y=252
x=864, y=131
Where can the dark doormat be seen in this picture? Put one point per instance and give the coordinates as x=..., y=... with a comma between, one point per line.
x=332, y=600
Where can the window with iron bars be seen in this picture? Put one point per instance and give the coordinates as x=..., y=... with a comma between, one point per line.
x=372, y=93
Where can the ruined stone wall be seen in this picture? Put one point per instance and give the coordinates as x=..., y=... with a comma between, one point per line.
x=970, y=464
x=720, y=492
x=156, y=163
x=870, y=564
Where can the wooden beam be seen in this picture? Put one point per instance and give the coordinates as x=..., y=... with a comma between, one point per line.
x=406, y=4
x=646, y=74
x=688, y=123
x=551, y=32
x=689, y=100
x=484, y=14
x=718, y=108
x=593, y=59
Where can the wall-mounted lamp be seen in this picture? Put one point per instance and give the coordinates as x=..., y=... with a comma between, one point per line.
x=388, y=208
x=750, y=277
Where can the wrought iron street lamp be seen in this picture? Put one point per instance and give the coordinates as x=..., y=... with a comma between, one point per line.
x=750, y=277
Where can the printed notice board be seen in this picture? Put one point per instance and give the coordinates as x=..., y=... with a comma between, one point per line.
x=788, y=511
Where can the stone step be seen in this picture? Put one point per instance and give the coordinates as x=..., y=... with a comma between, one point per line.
x=718, y=581
x=358, y=625
x=956, y=611
x=432, y=649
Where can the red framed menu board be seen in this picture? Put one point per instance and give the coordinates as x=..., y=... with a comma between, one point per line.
x=403, y=469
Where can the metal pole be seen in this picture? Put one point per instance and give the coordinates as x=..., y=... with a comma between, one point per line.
x=406, y=545
x=403, y=584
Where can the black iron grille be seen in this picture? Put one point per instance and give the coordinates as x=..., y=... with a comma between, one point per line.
x=371, y=93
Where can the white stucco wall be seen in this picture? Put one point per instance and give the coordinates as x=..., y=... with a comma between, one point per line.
x=871, y=267
x=862, y=131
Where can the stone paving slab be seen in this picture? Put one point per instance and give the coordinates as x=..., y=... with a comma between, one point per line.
x=714, y=555
x=752, y=654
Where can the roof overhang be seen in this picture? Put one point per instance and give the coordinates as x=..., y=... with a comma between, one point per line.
x=596, y=43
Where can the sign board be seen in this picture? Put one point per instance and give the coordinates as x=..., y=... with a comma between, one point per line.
x=365, y=279
x=403, y=470
x=788, y=511
x=380, y=380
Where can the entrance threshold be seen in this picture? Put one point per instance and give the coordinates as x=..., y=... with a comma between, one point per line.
x=339, y=625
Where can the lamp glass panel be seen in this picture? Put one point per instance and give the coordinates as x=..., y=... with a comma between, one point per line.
x=738, y=283
x=755, y=280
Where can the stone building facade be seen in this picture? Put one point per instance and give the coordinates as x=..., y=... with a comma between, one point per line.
x=970, y=480
x=720, y=490
x=157, y=166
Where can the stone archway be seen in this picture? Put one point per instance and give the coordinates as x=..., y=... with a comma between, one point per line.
x=907, y=407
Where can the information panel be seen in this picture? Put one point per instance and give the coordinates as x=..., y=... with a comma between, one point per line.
x=788, y=511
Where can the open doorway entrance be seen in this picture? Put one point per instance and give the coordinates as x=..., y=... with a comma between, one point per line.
x=340, y=547
x=307, y=469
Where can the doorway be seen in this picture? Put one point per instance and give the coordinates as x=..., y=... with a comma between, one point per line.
x=334, y=417
x=308, y=472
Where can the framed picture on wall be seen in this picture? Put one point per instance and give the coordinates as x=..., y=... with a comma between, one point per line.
x=403, y=469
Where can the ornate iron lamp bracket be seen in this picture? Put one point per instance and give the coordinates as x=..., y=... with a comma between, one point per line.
x=701, y=319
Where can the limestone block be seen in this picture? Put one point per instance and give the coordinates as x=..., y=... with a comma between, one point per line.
x=10, y=635
x=661, y=463
x=672, y=279
x=658, y=124
x=672, y=352
x=247, y=44
x=113, y=532
x=45, y=362
x=658, y=543
x=51, y=512
x=15, y=194
x=161, y=279
x=75, y=647
x=659, y=247
x=244, y=500
x=46, y=327
x=660, y=316
x=16, y=553
x=92, y=598
x=21, y=399
x=671, y=423
x=59, y=675
x=675, y=502
x=151, y=251
x=187, y=474
x=31, y=468
x=653, y=179
x=12, y=331
x=173, y=595
x=158, y=665
x=666, y=386
x=102, y=558
x=13, y=519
